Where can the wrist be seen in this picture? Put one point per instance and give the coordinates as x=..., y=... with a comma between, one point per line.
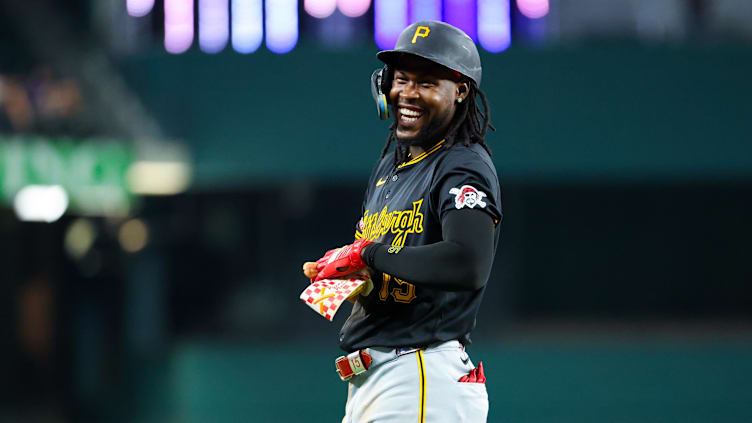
x=367, y=253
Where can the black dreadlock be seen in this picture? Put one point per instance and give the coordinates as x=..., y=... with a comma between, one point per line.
x=469, y=125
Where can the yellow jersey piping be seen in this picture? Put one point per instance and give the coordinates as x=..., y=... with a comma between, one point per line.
x=422, y=155
x=422, y=371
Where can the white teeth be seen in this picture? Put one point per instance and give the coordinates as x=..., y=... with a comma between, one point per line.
x=408, y=112
x=409, y=119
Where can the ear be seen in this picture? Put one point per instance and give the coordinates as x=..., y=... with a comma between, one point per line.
x=461, y=91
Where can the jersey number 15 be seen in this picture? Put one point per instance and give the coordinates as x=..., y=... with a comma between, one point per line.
x=404, y=292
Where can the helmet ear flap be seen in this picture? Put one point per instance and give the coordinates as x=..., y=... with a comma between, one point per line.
x=383, y=107
x=381, y=84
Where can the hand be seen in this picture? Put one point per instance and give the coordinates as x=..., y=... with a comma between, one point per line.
x=322, y=262
x=312, y=268
x=342, y=261
x=309, y=269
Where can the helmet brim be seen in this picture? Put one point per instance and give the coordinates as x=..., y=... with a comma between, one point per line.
x=391, y=57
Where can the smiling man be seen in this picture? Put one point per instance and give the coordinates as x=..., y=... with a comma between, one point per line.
x=428, y=234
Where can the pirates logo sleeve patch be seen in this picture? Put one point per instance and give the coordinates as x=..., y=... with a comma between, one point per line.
x=467, y=196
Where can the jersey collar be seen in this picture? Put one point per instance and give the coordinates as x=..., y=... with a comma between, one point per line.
x=422, y=155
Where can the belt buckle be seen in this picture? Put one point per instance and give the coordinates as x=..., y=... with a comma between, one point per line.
x=355, y=363
x=342, y=367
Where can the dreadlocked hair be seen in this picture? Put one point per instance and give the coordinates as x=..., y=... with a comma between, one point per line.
x=468, y=126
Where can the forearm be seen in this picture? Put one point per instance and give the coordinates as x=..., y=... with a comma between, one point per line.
x=443, y=265
x=462, y=261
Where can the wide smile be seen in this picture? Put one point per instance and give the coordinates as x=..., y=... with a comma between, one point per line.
x=409, y=116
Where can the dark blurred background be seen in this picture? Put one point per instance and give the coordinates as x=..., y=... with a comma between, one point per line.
x=166, y=167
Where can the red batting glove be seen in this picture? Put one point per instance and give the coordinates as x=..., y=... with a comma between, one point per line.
x=343, y=261
x=321, y=263
x=481, y=377
x=475, y=376
x=472, y=377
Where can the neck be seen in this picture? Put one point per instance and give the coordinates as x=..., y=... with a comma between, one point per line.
x=433, y=135
x=416, y=150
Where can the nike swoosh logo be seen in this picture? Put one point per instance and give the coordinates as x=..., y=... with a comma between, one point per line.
x=465, y=360
x=380, y=182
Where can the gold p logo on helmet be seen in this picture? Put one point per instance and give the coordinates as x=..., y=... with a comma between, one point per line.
x=422, y=32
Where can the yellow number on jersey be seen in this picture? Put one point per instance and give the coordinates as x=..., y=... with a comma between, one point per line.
x=404, y=293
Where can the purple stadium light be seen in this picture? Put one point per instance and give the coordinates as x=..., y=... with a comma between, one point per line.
x=353, y=8
x=422, y=10
x=494, y=31
x=178, y=16
x=247, y=25
x=320, y=8
x=281, y=25
x=213, y=25
x=138, y=8
x=533, y=9
x=461, y=13
x=390, y=18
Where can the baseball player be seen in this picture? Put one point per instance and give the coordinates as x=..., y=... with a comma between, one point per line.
x=428, y=233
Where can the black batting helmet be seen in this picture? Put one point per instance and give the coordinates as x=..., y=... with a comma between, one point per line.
x=436, y=41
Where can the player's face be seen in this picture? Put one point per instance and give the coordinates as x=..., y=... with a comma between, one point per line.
x=423, y=97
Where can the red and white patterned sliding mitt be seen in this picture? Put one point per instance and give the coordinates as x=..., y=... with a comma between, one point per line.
x=325, y=296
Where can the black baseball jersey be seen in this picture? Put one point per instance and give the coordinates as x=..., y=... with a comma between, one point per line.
x=404, y=206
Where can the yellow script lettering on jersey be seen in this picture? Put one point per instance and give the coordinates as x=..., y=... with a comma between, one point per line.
x=401, y=223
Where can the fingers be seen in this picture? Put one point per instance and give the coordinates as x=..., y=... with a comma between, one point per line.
x=310, y=269
x=321, y=263
x=324, y=261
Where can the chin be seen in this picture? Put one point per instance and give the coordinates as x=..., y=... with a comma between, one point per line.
x=424, y=138
x=406, y=137
x=410, y=140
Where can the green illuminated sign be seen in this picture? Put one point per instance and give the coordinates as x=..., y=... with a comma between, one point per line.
x=92, y=172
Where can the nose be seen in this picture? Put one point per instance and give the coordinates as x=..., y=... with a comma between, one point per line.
x=409, y=90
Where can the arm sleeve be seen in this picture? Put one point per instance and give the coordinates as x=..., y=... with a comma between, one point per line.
x=466, y=182
x=462, y=261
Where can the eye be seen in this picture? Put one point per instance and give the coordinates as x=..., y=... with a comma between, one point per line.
x=427, y=84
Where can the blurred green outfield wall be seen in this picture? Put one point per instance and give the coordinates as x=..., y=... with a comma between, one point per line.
x=595, y=380
x=614, y=110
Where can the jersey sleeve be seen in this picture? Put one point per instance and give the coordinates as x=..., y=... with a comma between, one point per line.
x=467, y=182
